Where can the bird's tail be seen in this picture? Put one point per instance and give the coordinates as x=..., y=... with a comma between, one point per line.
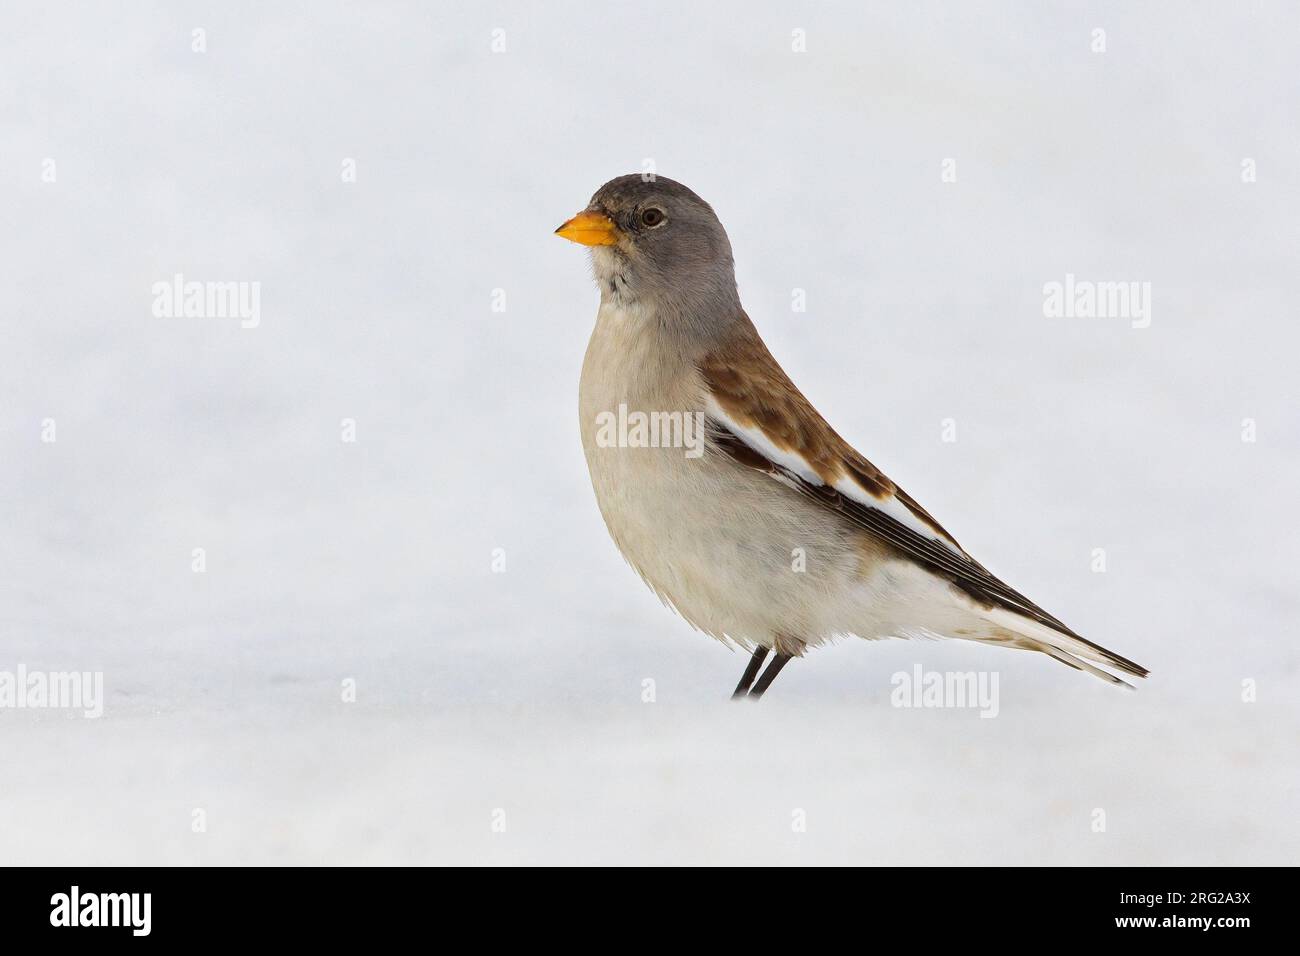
x=1070, y=650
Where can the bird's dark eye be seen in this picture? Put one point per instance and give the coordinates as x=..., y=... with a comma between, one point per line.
x=652, y=217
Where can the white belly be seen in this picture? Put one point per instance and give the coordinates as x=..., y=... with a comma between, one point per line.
x=738, y=554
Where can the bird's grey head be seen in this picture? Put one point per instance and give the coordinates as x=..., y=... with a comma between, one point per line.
x=655, y=243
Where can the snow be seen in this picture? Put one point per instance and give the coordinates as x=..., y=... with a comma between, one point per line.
x=517, y=696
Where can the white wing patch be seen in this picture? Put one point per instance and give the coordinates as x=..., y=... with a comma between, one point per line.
x=891, y=506
x=756, y=439
x=797, y=465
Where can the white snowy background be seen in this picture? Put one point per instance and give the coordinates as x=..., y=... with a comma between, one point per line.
x=522, y=691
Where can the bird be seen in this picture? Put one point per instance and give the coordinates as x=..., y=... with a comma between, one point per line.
x=729, y=493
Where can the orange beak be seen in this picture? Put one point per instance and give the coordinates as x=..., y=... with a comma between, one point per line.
x=590, y=228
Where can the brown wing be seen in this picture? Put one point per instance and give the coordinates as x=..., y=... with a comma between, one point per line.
x=760, y=407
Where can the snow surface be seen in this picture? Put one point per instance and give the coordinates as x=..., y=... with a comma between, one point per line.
x=522, y=691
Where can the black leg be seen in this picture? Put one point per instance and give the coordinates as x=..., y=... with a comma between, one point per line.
x=751, y=671
x=769, y=675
